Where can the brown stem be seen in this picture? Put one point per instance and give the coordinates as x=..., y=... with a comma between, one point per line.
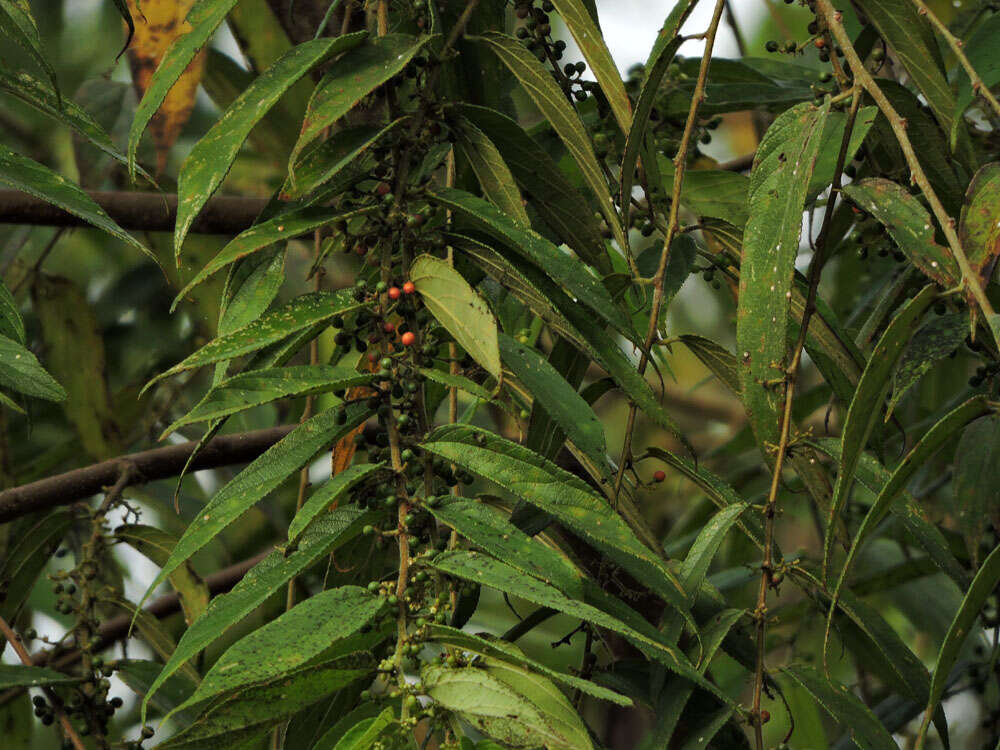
x=151, y=212
x=791, y=374
x=57, y=706
x=680, y=164
x=158, y=463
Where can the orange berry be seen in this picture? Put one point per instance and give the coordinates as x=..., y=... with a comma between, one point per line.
x=659, y=475
x=820, y=43
x=408, y=338
x=409, y=287
x=765, y=716
x=389, y=327
x=394, y=292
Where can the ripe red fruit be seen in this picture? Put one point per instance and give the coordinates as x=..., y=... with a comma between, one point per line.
x=659, y=476
x=408, y=338
x=765, y=716
x=409, y=287
x=389, y=327
x=394, y=292
x=820, y=43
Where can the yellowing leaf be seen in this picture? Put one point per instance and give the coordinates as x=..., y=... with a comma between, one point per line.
x=157, y=24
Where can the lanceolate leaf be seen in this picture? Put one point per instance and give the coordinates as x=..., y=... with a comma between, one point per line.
x=32, y=542
x=281, y=228
x=204, y=18
x=710, y=538
x=20, y=371
x=845, y=708
x=867, y=403
x=457, y=307
x=256, y=387
x=494, y=175
x=779, y=181
x=251, y=709
x=258, y=479
x=975, y=494
x=329, y=533
x=938, y=339
x=502, y=651
x=351, y=79
x=299, y=314
x=979, y=226
x=290, y=640
x=326, y=496
x=21, y=173
x=549, y=190
x=908, y=224
x=716, y=358
x=549, y=98
x=558, y=398
x=489, y=529
x=535, y=480
x=209, y=161
x=982, y=587
x=564, y=269
x=11, y=324
x=591, y=43
x=17, y=23
x=20, y=676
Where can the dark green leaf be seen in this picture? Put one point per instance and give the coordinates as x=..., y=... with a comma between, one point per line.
x=495, y=177
x=19, y=676
x=20, y=371
x=139, y=674
x=326, y=496
x=974, y=485
x=938, y=339
x=710, y=538
x=11, y=325
x=32, y=542
x=719, y=360
x=980, y=51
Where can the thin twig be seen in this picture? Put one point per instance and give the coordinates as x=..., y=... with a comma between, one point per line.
x=955, y=43
x=833, y=21
x=680, y=164
x=25, y=657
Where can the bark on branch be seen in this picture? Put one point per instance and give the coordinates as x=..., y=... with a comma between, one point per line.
x=158, y=463
x=135, y=211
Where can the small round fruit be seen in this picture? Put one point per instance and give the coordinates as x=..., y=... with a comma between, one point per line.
x=659, y=475
x=765, y=716
x=408, y=338
x=389, y=327
x=394, y=292
x=409, y=287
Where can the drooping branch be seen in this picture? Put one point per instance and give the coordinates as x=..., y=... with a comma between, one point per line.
x=135, y=211
x=158, y=463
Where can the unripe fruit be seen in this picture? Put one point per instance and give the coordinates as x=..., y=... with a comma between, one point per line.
x=408, y=338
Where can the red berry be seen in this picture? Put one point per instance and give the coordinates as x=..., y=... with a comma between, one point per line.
x=383, y=188
x=389, y=327
x=765, y=716
x=394, y=292
x=820, y=43
x=409, y=287
x=408, y=338
x=659, y=475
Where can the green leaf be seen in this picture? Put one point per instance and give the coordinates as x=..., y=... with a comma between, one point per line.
x=710, y=538
x=211, y=158
x=349, y=80
x=251, y=710
x=590, y=40
x=340, y=152
x=289, y=641
x=20, y=371
x=555, y=198
x=550, y=100
x=19, y=676
x=157, y=545
x=942, y=432
x=495, y=177
x=829, y=147
x=938, y=339
x=661, y=55
x=249, y=389
x=719, y=360
x=17, y=23
x=139, y=674
x=75, y=355
x=539, y=482
x=909, y=225
x=779, y=183
x=980, y=51
x=456, y=306
x=298, y=314
x=974, y=486
x=716, y=193
x=979, y=225
x=326, y=535
x=325, y=497
x=565, y=270
x=558, y=398
x=32, y=541
x=361, y=736
x=281, y=228
x=498, y=710
x=457, y=381
x=481, y=569
x=152, y=632
x=489, y=529
x=204, y=18
x=845, y=708
x=11, y=324
x=502, y=651
x=986, y=580
x=21, y=173
x=866, y=405
x=259, y=478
